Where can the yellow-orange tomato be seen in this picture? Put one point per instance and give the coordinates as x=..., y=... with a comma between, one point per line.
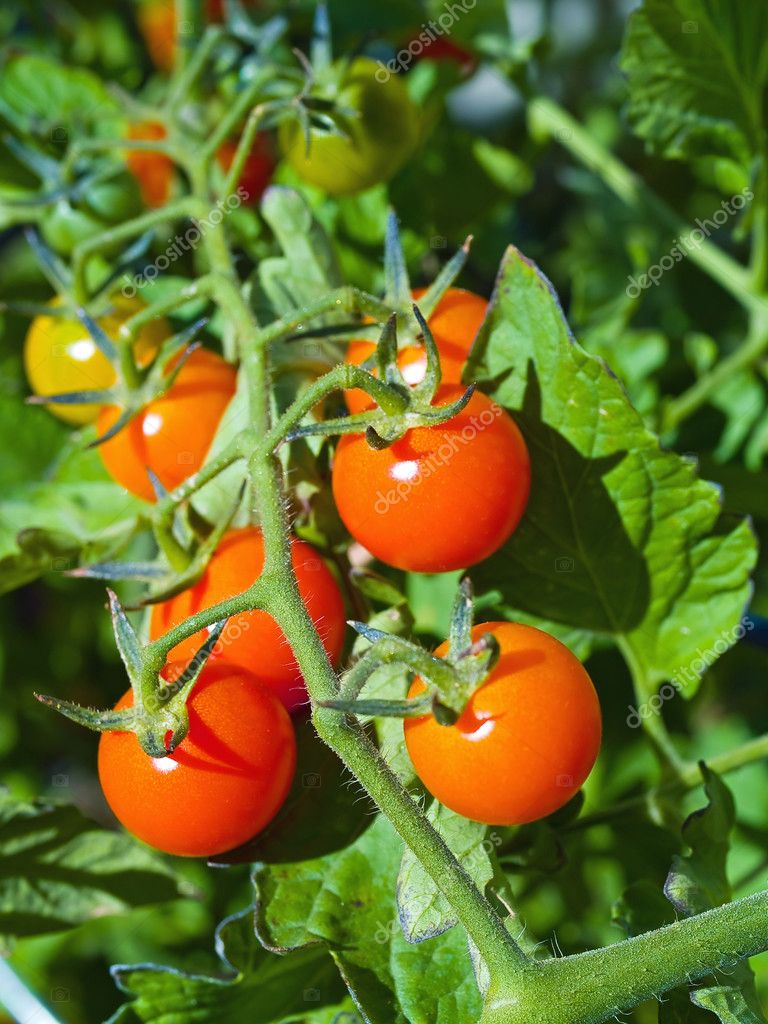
x=222, y=784
x=454, y=325
x=442, y=497
x=172, y=435
x=253, y=640
x=153, y=171
x=157, y=24
x=527, y=739
x=60, y=355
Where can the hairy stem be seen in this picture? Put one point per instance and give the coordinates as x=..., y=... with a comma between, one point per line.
x=603, y=982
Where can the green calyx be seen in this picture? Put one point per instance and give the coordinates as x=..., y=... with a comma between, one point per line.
x=449, y=682
x=400, y=407
x=159, y=716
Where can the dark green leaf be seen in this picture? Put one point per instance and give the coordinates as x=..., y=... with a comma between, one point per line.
x=57, y=869
x=620, y=536
x=697, y=73
x=259, y=987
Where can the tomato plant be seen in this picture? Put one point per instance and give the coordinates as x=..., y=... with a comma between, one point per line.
x=224, y=782
x=253, y=640
x=60, y=355
x=473, y=364
x=172, y=434
x=526, y=740
x=442, y=497
x=381, y=133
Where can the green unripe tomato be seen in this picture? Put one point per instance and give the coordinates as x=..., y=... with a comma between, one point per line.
x=114, y=200
x=381, y=137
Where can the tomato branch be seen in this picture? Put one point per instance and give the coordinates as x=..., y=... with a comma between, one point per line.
x=604, y=982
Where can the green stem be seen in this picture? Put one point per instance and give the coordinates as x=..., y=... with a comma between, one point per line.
x=125, y=232
x=680, y=408
x=596, y=986
x=182, y=87
x=340, y=378
x=688, y=778
x=654, y=725
x=547, y=116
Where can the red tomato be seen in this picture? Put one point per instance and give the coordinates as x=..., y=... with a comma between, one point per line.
x=253, y=640
x=454, y=325
x=222, y=784
x=527, y=739
x=153, y=171
x=257, y=170
x=172, y=435
x=442, y=497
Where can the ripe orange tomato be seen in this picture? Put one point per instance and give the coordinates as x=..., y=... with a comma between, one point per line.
x=222, y=784
x=454, y=325
x=253, y=640
x=257, y=169
x=157, y=24
x=172, y=435
x=60, y=355
x=153, y=171
x=441, y=497
x=527, y=739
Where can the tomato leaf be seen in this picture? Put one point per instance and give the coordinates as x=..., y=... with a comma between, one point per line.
x=620, y=536
x=697, y=74
x=698, y=881
x=423, y=910
x=41, y=94
x=345, y=902
x=57, y=869
x=258, y=986
x=53, y=526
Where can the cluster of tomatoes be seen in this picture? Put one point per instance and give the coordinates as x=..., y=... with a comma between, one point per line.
x=443, y=497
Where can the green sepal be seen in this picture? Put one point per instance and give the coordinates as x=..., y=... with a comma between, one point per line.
x=91, y=718
x=397, y=292
x=72, y=398
x=432, y=297
x=126, y=639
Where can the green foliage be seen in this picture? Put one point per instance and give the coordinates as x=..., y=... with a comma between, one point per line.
x=697, y=76
x=59, y=870
x=620, y=536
